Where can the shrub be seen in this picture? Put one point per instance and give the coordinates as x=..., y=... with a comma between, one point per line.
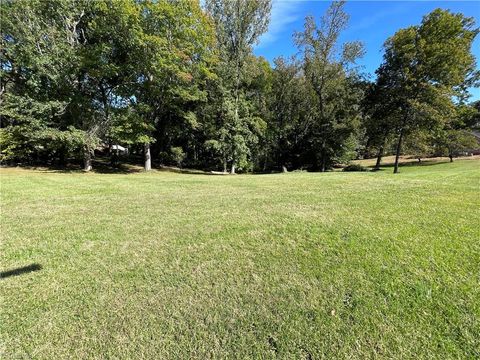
x=177, y=155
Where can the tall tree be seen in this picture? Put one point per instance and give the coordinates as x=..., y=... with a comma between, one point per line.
x=74, y=53
x=327, y=69
x=379, y=117
x=38, y=60
x=239, y=24
x=173, y=58
x=425, y=66
x=105, y=41
x=285, y=108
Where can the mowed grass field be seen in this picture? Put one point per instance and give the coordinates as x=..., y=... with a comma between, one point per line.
x=295, y=266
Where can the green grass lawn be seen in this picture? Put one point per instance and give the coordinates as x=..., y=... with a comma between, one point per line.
x=300, y=265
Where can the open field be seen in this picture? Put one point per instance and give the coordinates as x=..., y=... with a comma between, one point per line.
x=301, y=265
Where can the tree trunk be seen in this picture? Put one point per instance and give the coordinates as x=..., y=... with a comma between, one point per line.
x=419, y=160
x=87, y=160
x=113, y=156
x=232, y=169
x=284, y=169
x=324, y=165
x=225, y=165
x=148, y=160
x=451, y=157
x=379, y=158
x=397, y=154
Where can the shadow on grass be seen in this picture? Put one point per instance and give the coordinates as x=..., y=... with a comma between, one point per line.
x=98, y=167
x=186, y=171
x=20, y=271
x=68, y=169
x=410, y=163
x=101, y=167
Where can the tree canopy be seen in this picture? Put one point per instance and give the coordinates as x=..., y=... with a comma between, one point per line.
x=177, y=83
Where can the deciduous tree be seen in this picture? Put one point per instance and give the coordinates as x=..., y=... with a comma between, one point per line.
x=425, y=66
x=238, y=24
x=328, y=70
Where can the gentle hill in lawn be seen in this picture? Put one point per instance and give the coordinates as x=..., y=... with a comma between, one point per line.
x=299, y=265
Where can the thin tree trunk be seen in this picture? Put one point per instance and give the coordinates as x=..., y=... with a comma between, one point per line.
x=113, y=156
x=232, y=169
x=324, y=162
x=379, y=158
x=324, y=167
x=397, y=154
x=224, y=165
x=87, y=160
x=281, y=162
x=148, y=160
x=451, y=157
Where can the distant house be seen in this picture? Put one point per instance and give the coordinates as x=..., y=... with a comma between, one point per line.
x=119, y=148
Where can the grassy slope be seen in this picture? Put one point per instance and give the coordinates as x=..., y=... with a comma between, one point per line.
x=161, y=265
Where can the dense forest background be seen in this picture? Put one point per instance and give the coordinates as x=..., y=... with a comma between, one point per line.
x=176, y=83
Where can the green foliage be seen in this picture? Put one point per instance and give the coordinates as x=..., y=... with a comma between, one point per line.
x=467, y=116
x=453, y=143
x=238, y=25
x=419, y=144
x=424, y=67
x=177, y=155
x=129, y=127
x=287, y=109
x=28, y=130
x=77, y=76
x=118, y=67
x=335, y=94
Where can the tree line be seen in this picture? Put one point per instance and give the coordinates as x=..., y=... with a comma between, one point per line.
x=176, y=82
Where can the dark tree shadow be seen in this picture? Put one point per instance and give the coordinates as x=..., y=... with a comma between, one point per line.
x=98, y=166
x=103, y=167
x=67, y=169
x=20, y=271
x=415, y=163
x=187, y=171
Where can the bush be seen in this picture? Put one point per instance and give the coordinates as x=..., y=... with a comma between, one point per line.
x=355, y=167
x=177, y=155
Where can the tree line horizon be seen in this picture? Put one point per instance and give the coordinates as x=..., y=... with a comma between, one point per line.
x=177, y=83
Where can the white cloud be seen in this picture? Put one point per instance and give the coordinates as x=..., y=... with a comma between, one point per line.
x=284, y=12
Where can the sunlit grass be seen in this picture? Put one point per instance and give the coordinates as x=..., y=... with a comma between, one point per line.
x=302, y=265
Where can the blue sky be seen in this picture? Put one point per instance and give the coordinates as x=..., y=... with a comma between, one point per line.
x=371, y=22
